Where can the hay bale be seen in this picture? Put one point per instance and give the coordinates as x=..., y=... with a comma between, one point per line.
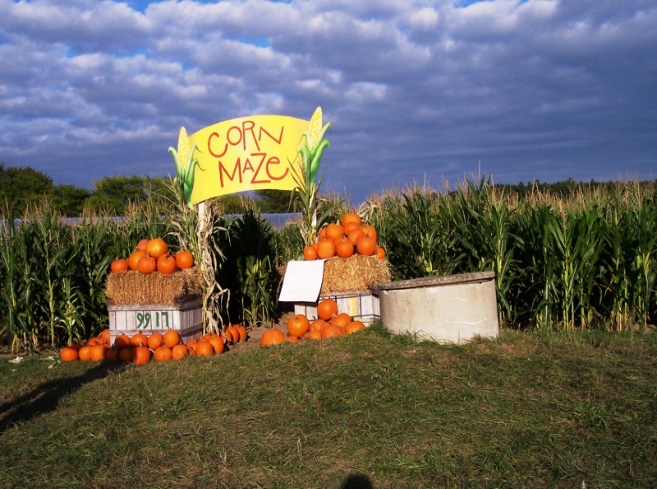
x=355, y=273
x=132, y=288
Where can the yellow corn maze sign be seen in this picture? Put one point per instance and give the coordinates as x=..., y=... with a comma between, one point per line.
x=249, y=153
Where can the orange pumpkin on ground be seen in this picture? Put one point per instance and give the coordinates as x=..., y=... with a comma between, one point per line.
x=272, y=337
x=98, y=353
x=156, y=248
x=233, y=333
x=105, y=336
x=162, y=354
x=191, y=347
x=326, y=309
x=244, y=334
x=332, y=331
x=315, y=334
x=119, y=265
x=184, y=259
x=354, y=327
x=298, y=325
x=84, y=353
x=316, y=325
x=292, y=339
x=139, y=339
x=218, y=344
x=341, y=319
x=68, y=354
x=171, y=338
x=204, y=348
x=112, y=355
x=121, y=341
x=133, y=259
x=141, y=355
x=125, y=354
x=179, y=352
x=155, y=340
x=166, y=264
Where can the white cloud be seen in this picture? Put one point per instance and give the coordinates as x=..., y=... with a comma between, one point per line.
x=415, y=87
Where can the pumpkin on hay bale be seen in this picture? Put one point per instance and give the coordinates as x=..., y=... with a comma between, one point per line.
x=358, y=272
x=133, y=288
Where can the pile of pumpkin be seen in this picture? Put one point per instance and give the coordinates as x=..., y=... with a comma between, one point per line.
x=151, y=255
x=140, y=348
x=344, y=239
x=329, y=324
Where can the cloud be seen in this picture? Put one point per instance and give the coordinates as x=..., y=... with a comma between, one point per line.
x=416, y=90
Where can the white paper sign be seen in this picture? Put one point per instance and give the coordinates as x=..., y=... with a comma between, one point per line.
x=302, y=281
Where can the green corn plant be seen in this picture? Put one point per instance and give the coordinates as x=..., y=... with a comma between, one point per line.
x=69, y=307
x=186, y=164
x=644, y=263
x=11, y=286
x=305, y=198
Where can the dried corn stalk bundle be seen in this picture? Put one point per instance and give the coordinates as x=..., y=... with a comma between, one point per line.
x=355, y=273
x=132, y=288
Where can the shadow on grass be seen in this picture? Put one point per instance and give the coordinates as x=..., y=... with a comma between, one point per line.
x=357, y=481
x=46, y=397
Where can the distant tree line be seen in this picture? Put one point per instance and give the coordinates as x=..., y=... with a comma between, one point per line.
x=22, y=188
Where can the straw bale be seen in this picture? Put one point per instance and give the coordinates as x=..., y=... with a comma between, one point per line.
x=132, y=287
x=357, y=272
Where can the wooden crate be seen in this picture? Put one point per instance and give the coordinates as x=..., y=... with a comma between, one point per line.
x=186, y=318
x=360, y=305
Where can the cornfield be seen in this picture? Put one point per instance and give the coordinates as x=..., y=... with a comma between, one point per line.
x=560, y=263
x=587, y=261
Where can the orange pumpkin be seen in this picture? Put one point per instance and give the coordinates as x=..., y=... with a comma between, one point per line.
x=380, y=253
x=84, y=353
x=316, y=325
x=298, y=325
x=133, y=259
x=366, y=245
x=156, y=248
x=369, y=230
x=332, y=331
x=162, y=354
x=272, y=337
x=334, y=231
x=354, y=235
x=244, y=334
x=139, y=339
x=204, y=348
x=166, y=264
x=354, y=326
x=326, y=248
x=98, y=353
x=146, y=264
x=105, y=336
x=309, y=253
x=143, y=243
x=119, y=265
x=68, y=354
x=218, y=344
x=121, y=341
x=125, y=354
x=326, y=309
x=341, y=319
x=344, y=249
x=171, y=338
x=141, y=355
x=184, y=259
x=315, y=334
x=350, y=218
x=179, y=352
x=155, y=341
x=112, y=355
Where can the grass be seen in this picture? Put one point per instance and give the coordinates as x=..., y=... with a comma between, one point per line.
x=369, y=410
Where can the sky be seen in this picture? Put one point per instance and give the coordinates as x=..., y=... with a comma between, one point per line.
x=418, y=92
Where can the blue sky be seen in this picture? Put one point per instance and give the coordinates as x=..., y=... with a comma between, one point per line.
x=417, y=90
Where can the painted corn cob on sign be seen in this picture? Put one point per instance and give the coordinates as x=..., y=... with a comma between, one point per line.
x=249, y=153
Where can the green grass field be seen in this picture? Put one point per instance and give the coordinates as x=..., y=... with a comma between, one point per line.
x=364, y=411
